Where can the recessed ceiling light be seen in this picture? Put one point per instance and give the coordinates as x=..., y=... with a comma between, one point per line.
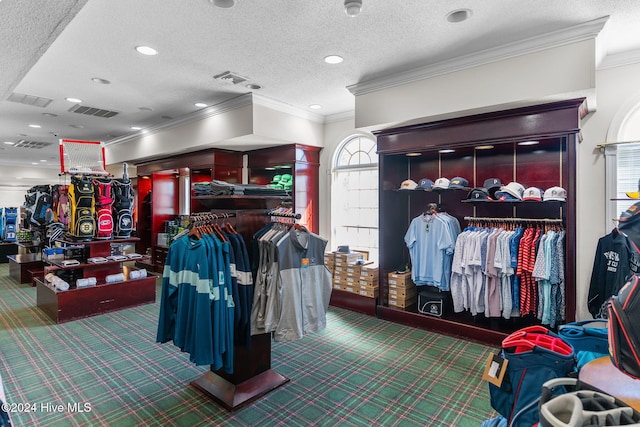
x=35, y=126
x=43, y=161
x=136, y=127
x=529, y=143
x=484, y=147
x=447, y=150
x=333, y=59
x=34, y=163
x=253, y=86
x=352, y=7
x=146, y=50
x=200, y=104
x=9, y=142
x=458, y=15
x=49, y=114
x=100, y=81
x=225, y=4
x=75, y=100
x=413, y=154
x=315, y=106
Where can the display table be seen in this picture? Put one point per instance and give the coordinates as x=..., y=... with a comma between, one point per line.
x=78, y=303
x=602, y=375
x=63, y=306
x=21, y=266
x=7, y=248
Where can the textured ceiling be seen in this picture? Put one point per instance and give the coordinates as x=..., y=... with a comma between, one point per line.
x=52, y=49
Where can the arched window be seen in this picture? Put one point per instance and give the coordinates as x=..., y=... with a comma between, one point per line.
x=623, y=165
x=354, y=195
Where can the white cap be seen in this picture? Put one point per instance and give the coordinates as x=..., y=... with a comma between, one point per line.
x=441, y=183
x=555, y=193
x=408, y=184
x=532, y=193
x=513, y=188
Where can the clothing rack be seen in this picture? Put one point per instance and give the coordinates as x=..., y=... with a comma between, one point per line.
x=537, y=220
x=253, y=376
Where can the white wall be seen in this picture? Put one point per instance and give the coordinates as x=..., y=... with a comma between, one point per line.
x=617, y=91
x=561, y=72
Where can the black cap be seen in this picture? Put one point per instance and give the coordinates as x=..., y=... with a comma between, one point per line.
x=479, y=194
x=492, y=185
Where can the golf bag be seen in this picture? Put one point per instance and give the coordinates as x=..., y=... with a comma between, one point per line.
x=60, y=204
x=122, y=191
x=103, y=201
x=10, y=224
x=534, y=355
x=82, y=224
x=37, y=201
x=624, y=332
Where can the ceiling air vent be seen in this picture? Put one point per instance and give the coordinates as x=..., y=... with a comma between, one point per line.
x=36, y=101
x=34, y=145
x=229, y=77
x=92, y=111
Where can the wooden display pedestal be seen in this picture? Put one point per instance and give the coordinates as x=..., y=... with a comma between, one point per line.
x=78, y=303
x=253, y=376
x=353, y=302
x=63, y=306
x=22, y=265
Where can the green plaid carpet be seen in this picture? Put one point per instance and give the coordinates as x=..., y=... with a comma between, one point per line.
x=108, y=371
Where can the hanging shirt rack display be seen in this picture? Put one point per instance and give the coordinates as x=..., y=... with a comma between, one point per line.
x=510, y=267
x=242, y=372
x=293, y=287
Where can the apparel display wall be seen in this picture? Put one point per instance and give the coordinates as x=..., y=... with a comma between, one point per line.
x=486, y=146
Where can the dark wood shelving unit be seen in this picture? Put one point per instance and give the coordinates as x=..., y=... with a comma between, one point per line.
x=551, y=162
x=78, y=303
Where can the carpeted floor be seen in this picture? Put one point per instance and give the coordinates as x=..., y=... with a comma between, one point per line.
x=108, y=371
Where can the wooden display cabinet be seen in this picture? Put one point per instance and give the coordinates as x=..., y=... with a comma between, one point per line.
x=78, y=303
x=302, y=162
x=486, y=146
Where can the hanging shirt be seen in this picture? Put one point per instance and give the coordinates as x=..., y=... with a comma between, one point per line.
x=429, y=239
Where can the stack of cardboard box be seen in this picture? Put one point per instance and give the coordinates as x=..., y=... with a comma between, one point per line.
x=360, y=279
x=402, y=290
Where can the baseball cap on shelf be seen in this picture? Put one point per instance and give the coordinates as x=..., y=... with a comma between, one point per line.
x=555, y=193
x=479, y=194
x=634, y=194
x=532, y=193
x=441, y=184
x=513, y=189
x=425, y=184
x=408, y=184
x=459, y=182
x=492, y=185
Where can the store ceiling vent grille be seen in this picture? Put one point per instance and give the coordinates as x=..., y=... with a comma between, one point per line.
x=229, y=77
x=34, y=145
x=92, y=111
x=36, y=101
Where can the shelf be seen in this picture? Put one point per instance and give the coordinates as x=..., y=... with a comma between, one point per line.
x=92, y=264
x=98, y=242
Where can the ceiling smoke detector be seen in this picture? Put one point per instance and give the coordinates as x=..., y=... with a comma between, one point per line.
x=352, y=7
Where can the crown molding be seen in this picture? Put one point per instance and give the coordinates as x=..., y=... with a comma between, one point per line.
x=620, y=59
x=585, y=31
x=286, y=108
x=340, y=117
x=212, y=110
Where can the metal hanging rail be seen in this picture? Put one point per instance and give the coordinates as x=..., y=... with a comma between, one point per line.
x=541, y=220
